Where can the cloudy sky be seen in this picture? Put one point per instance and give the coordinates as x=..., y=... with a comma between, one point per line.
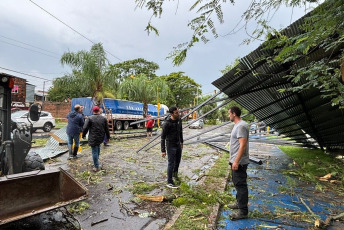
x=32, y=41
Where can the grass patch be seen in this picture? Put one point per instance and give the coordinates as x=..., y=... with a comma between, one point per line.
x=60, y=124
x=78, y=207
x=89, y=177
x=40, y=142
x=312, y=164
x=199, y=200
x=143, y=187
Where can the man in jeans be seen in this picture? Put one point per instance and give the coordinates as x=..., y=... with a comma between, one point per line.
x=239, y=159
x=74, y=127
x=98, y=127
x=172, y=136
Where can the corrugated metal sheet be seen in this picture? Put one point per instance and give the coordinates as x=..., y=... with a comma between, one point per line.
x=52, y=148
x=305, y=117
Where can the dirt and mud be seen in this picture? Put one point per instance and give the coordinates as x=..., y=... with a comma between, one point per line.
x=112, y=201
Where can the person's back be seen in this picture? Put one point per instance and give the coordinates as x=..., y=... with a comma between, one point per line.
x=150, y=124
x=74, y=127
x=75, y=123
x=97, y=125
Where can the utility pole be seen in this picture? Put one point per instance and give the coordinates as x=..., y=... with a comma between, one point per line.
x=43, y=99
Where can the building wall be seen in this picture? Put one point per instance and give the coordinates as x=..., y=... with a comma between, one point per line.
x=20, y=94
x=58, y=109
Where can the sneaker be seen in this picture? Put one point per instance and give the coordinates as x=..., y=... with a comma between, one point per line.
x=233, y=206
x=96, y=169
x=238, y=215
x=76, y=156
x=170, y=185
x=70, y=158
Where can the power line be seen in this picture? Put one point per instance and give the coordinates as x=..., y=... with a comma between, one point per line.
x=29, y=49
x=25, y=74
x=29, y=45
x=71, y=28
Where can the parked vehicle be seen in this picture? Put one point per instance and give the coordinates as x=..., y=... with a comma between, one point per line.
x=197, y=124
x=253, y=128
x=121, y=111
x=46, y=120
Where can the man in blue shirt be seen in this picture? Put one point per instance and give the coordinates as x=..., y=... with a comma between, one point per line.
x=74, y=127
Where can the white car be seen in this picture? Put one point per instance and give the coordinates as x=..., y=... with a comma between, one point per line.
x=197, y=124
x=46, y=120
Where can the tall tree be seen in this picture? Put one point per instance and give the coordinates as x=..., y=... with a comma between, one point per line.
x=135, y=67
x=141, y=89
x=322, y=28
x=93, y=68
x=68, y=86
x=183, y=88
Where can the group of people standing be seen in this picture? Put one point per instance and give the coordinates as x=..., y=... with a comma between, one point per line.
x=172, y=141
x=79, y=125
x=171, y=145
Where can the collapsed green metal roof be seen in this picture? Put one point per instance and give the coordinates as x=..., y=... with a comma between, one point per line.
x=304, y=116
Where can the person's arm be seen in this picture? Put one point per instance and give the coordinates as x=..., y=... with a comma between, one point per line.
x=85, y=128
x=163, y=139
x=82, y=121
x=107, y=132
x=181, y=134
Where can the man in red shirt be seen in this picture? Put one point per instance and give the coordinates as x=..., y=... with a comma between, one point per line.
x=149, y=126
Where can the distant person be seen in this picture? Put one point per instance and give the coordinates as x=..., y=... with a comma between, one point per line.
x=239, y=159
x=149, y=126
x=74, y=127
x=97, y=127
x=172, y=137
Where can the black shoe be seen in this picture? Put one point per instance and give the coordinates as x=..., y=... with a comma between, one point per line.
x=233, y=206
x=171, y=185
x=238, y=215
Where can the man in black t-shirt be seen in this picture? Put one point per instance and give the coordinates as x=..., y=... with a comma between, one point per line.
x=172, y=137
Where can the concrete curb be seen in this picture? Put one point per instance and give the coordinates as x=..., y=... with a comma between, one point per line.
x=214, y=215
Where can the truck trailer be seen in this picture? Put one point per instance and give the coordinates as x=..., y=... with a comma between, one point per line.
x=120, y=113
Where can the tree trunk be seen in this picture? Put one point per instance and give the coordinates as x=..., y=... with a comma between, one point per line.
x=145, y=110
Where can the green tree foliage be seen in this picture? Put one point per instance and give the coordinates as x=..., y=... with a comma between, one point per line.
x=91, y=69
x=229, y=67
x=183, y=90
x=206, y=108
x=223, y=112
x=322, y=29
x=322, y=36
x=141, y=89
x=135, y=67
x=69, y=86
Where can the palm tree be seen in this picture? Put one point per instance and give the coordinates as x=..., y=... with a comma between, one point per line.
x=93, y=68
x=141, y=89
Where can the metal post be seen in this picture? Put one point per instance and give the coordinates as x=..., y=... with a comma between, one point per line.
x=43, y=99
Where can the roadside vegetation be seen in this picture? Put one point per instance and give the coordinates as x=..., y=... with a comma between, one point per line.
x=40, y=142
x=315, y=166
x=60, y=124
x=199, y=201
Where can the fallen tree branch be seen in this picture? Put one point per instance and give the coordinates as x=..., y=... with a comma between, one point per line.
x=97, y=222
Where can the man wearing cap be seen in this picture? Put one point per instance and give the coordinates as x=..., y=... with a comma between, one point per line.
x=74, y=127
x=97, y=127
